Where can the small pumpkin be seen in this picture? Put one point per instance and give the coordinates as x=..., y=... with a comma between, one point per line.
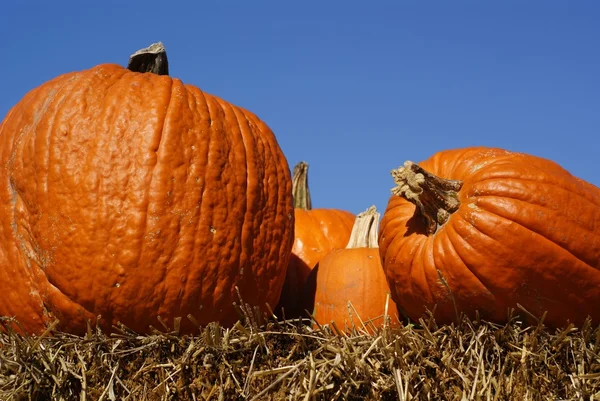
x=485, y=229
x=316, y=233
x=128, y=194
x=350, y=286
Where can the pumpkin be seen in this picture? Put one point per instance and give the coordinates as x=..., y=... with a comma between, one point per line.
x=488, y=230
x=130, y=195
x=350, y=284
x=316, y=232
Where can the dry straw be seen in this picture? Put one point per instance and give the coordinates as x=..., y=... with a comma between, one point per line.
x=262, y=358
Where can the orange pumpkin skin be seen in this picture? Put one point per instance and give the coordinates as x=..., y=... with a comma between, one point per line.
x=131, y=196
x=353, y=274
x=316, y=233
x=526, y=232
x=356, y=276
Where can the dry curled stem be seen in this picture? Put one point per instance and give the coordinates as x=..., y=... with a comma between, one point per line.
x=365, y=230
x=436, y=198
x=150, y=59
x=300, y=190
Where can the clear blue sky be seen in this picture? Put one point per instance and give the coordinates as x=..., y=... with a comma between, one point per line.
x=353, y=88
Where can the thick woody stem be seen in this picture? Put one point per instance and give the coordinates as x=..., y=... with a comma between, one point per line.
x=365, y=230
x=151, y=59
x=300, y=190
x=436, y=198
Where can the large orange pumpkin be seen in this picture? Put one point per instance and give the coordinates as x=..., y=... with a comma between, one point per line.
x=487, y=229
x=131, y=196
x=317, y=232
x=350, y=286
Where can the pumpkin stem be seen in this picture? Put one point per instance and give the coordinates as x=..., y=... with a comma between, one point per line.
x=365, y=230
x=151, y=59
x=300, y=190
x=436, y=198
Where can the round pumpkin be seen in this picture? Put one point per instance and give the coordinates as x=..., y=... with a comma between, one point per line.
x=130, y=195
x=350, y=287
x=489, y=230
x=316, y=233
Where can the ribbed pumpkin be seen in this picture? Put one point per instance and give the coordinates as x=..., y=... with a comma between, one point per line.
x=317, y=232
x=487, y=229
x=130, y=195
x=350, y=286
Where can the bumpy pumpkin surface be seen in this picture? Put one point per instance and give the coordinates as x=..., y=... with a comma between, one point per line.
x=132, y=195
x=348, y=286
x=316, y=233
x=511, y=229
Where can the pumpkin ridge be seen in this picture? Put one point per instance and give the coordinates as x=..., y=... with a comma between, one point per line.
x=411, y=265
x=29, y=243
x=245, y=238
x=41, y=111
x=223, y=279
x=46, y=290
x=251, y=124
x=247, y=135
x=513, y=219
x=544, y=172
x=591, y=200
x=282, y=193
x=158, y=139
x=103, y=214
x=199, y=240
x=251, y=142
x=54, y=295
x=425, y=250
x=279, y=194
x=524, y=270
x=459, y=255
x=284, y=218
x=440, y=284
x=499, y=200
x=24, y=244
x=48, y=137
x=557, y=212
x=147, y=203
x=53, y=101
x=521, y=226
x=455, y=236
x=202, y=241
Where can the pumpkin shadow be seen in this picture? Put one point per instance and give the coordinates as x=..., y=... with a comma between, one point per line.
x=416, y=225
x=291, y=300
x=309, y=293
